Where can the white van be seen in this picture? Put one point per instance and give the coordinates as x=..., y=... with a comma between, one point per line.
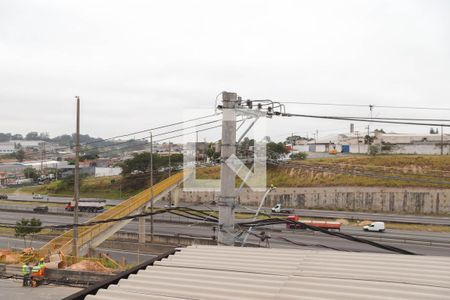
x=375, y=226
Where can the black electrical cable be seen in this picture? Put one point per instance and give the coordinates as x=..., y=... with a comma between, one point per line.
x=274, y=221
x=93, y=223
x=310, y=245
x=193, y=218
x=256, y=223
x=297, y=243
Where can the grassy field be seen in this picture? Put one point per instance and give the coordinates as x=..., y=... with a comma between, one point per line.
x=387, y=170
x=402, y=170
x=91, y=187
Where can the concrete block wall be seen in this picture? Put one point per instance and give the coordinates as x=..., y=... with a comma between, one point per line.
x=374, y=199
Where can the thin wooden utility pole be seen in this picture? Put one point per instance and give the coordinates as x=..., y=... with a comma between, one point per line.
x=170, y=167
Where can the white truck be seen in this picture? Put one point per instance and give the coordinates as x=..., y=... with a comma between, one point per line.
x=279, y=210
x=375, y=226
x=87, y=205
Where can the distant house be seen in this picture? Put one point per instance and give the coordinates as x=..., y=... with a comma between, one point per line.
x=14, y=145
x=7, y=148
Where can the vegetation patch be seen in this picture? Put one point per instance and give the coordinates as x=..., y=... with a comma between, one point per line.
x=368, y=171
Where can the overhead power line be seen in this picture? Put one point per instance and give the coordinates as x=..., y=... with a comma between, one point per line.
x=141, y=131
x=366, y=105
x=164, y=139
x=363, y=119
x=154, y=128
x=158, y=134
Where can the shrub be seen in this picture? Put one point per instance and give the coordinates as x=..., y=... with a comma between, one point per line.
x=374, y=150
x=299, y=156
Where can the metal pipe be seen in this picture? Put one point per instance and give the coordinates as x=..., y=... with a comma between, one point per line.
x=271, y=188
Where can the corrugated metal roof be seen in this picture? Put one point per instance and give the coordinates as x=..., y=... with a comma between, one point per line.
x=211, y=272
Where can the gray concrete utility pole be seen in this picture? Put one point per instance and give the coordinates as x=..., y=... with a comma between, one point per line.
x=227, y=176
x=76, y=188
x=151, y=186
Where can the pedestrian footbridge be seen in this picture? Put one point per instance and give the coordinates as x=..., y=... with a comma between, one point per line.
x=92, y=236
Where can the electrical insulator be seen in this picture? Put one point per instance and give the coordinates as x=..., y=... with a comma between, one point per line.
x=259, y=106
x=249, y=104
x=239, y=100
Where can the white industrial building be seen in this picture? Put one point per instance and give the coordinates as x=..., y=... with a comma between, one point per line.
x=47, y=164
x=14, y=145
x=7, y=148
x=395, y=143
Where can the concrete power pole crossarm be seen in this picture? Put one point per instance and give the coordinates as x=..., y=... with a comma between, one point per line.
x=227, y=176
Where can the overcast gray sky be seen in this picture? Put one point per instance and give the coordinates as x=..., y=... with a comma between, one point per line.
x=138, y=64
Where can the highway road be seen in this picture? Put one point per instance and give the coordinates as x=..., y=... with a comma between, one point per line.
x=398, y=218
x=52, y=199
x=427, y=243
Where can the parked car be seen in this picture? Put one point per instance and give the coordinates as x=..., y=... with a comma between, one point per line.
x=41, y=209
x=375, y=226
x=38, y=196
x=4, y=196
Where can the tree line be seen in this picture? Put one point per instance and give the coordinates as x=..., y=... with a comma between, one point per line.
x=62, y=140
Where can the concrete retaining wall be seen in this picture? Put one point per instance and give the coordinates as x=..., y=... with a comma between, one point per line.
x=176, y=240
x=375, y=199
x=84, y=278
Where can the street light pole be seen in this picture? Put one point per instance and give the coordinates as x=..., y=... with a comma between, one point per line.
x=76, y=187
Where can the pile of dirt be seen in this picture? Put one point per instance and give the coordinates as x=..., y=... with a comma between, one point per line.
x=92, y=266
x=365, y=222
x=9, y=257
x=343, y=221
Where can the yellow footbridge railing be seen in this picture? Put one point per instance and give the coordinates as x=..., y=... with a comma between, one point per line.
x=63, y=242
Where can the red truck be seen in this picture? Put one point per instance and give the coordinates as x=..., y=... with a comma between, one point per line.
x=328, y=225
x=87, y=205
